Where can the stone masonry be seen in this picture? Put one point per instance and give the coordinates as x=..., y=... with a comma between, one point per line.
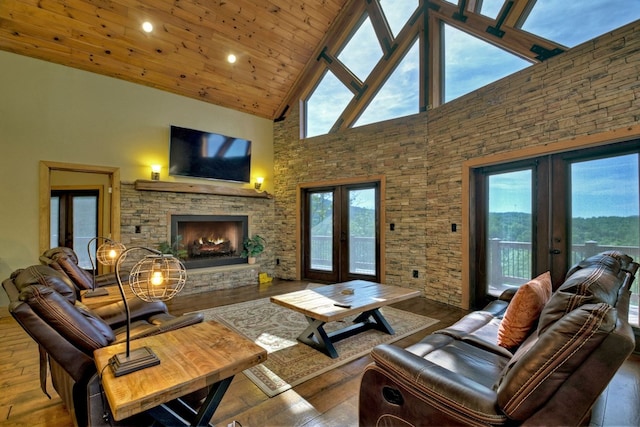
x=592, y=88
x=150, y=211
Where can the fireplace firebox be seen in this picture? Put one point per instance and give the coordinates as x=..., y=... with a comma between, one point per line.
x=209, y=240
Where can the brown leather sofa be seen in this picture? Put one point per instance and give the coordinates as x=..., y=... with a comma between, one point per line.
x=43, y=301
x=461, y=376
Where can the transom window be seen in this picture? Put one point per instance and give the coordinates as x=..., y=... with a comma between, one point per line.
x=399, y=57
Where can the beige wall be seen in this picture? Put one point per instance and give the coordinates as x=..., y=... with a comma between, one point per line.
x=588, y=92
x=59, y=114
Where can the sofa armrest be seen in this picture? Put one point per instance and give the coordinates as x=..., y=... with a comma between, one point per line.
x=114, y=314
x=436, y=383
x=106, y=279
x=157, y=324
x=508, y=294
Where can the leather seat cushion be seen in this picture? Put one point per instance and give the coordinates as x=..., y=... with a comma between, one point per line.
x=462, y=358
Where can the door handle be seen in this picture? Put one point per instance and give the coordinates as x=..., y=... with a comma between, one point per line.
x=555, y=251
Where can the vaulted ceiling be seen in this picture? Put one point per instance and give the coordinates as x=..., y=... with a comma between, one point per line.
x=186, y=53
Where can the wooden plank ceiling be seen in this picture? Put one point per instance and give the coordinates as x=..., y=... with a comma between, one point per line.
x=187, y=50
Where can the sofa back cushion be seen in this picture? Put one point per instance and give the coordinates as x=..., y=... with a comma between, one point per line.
x=597, y=283
x=45, y=276
x=77, y=325
x=544, y=362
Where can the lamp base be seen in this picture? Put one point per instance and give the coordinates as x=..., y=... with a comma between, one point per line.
x=138, y=359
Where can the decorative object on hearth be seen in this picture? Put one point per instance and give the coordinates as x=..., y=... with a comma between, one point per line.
x=106, y=254
x=253, y=247
x=264, y=278
x=156, y=277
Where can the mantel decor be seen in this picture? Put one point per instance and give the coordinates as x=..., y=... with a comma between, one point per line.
x=184, y=187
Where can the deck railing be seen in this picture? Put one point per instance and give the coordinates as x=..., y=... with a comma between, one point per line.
x=361, y=261
x=510, y=265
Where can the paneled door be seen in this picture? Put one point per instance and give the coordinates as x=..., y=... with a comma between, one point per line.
x=340, y=233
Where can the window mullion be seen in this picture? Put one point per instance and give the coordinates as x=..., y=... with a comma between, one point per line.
x=381, y=27
x=514, y=40
x=378, y=75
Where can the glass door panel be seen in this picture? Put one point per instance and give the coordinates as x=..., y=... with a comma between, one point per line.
x=85, y=227
x=75, y=221
x=362, y=231
x=509, y=245
x=605, y=211
x=321, y=231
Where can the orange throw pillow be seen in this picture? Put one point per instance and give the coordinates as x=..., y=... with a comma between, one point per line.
x=523, y=311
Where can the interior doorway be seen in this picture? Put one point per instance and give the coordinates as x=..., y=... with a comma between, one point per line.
x=86, y=182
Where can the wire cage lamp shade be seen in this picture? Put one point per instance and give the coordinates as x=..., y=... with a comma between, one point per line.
x=108, y=252
x=157, y=277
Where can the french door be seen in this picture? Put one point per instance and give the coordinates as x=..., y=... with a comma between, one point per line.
x=547, y=213
x=340, y=233
x=75, y=221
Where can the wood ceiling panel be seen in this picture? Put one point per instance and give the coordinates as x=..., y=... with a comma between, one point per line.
x=186, y=53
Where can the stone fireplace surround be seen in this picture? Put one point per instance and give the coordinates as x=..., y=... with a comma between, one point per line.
x=146, y=221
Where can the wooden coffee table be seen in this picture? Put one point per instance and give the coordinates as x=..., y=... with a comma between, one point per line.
x=331, y=303
x=191, y=358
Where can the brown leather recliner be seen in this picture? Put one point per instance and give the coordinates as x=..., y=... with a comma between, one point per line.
x=43, y=301
x=65, y=260
x=460, y=376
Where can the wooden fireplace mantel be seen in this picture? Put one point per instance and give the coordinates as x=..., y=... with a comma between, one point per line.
x=184, y=187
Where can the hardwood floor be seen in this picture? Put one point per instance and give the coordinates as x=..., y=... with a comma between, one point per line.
x=328, y=400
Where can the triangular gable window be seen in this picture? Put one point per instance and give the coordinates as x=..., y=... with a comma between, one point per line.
x=398, y=97
x=470, y=63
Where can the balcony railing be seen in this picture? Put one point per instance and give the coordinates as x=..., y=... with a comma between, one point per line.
x=510, y=262
x=362, y=259
x=510, y=265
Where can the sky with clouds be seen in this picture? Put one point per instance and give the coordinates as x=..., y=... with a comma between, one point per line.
x=469, y=62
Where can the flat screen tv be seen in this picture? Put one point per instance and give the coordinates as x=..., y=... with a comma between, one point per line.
x=200, y=154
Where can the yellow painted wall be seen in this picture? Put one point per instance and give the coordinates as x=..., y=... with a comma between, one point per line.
x=56, y=113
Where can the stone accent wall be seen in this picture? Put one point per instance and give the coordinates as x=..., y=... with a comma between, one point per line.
x=151, y=210
x=590, y=89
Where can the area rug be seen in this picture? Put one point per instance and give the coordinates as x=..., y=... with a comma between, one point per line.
x=289, y=362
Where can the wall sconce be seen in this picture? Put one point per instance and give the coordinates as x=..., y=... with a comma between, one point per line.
x=155, y=172
x=259, y=181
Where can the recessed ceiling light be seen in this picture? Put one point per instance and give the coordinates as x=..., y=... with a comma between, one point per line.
x=231, y=58
x=147, y=26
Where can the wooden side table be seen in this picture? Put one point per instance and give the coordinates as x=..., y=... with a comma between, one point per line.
x=191, y=358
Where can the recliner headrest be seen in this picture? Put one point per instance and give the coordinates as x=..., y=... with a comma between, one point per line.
x=46, y=276
x=54, y=253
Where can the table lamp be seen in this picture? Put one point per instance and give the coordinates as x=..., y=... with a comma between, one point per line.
x=106, y=254
x=156, y=277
